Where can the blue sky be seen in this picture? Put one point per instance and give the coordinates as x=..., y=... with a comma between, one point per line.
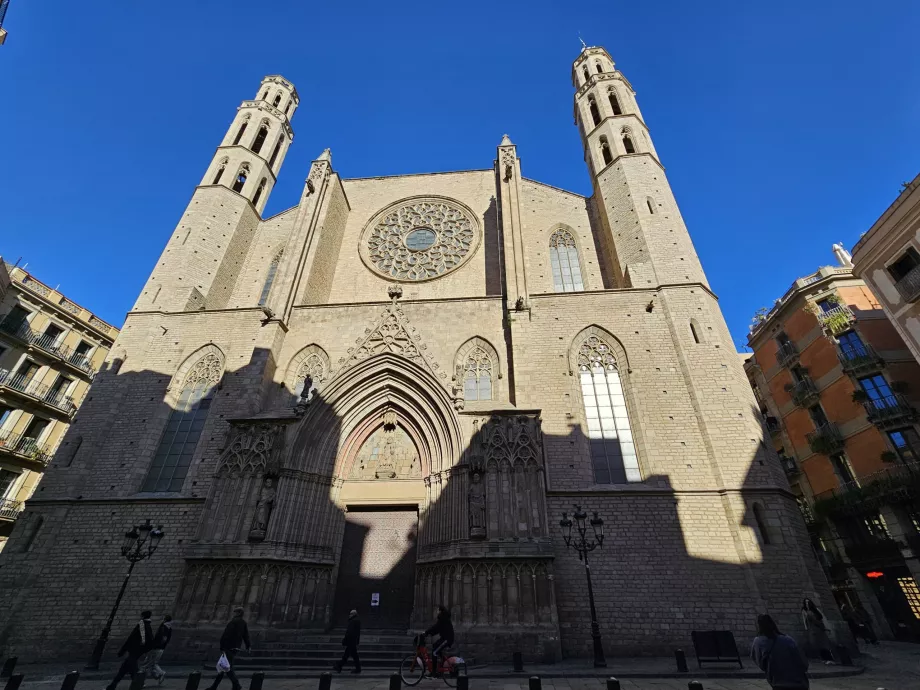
x=784, y=126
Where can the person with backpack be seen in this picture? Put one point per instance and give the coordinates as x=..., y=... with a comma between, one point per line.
x=160, y=639
x=779, y=657
x=139, y=641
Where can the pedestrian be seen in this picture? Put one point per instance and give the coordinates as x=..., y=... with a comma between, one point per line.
x=136, y=645
x=236, y=634
x=864, y=620
x=351, y=641
x=816, y=626
x=151, y=664
x=779, y=657
x=849, y=615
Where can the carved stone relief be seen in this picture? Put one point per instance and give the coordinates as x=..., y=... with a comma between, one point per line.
x=388, y=453
x=251, y=449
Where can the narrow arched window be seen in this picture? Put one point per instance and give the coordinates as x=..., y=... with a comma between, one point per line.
x=595, y=113
x=239, y=135
x=259, y=190
x=220, y=172
x=271, y=161
x=277, y=100
x=287, y=108
x=241, y=176
x=600, y=69
x=628, y=143
x=696, y=337
x=183, y=430
x=477, y=376
x=260, y=138
x=563, y=257
x=651, y=205
x=613, y=452
x=270, y=278
x=605, y=151
x=586, y=73
x=761, y=523
x=614, y=102
x=265, y=95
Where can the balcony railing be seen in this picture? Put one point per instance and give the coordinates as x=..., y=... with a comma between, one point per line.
x=860, y=359
x=806, y=510
x=875, y=552
x=790, y=466
x=826, y=439
x=772, y=424
x=803, y=392
x=787, y=353
x=836, y=320
x=22, y=332
x=26, y=447
x=892, y=410
x=9, y=509
x=892, y=485
x=37, y=391
x=909, y=285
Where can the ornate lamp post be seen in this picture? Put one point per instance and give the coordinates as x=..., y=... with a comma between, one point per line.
x=583, y=545
x=140, y=543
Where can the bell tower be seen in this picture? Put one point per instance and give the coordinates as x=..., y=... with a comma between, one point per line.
x=644, y=234
x=200, y=264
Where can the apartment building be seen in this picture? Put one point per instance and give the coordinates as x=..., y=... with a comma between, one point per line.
x=50, y=349
x=838, y=390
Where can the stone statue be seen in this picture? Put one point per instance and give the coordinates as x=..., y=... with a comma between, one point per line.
x=306, y=396
x=263, y=511
x=477, y=498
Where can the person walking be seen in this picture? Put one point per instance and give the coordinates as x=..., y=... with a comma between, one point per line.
x=236, y=634
x=136, y=645
x=151, y=664
x=816, y=628
x=351, y=641
x=779, y=657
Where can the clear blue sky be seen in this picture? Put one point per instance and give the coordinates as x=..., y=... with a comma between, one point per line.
x=784, y=126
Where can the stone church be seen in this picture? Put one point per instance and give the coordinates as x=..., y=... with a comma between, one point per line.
x=385, y=397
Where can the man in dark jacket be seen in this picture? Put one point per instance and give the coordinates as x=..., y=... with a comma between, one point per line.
x=139, y=641
x=445, y=629
x=350, y=642
x=236, y=634
x=151, y=662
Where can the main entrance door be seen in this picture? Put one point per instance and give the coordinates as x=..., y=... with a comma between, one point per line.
x=377, y=567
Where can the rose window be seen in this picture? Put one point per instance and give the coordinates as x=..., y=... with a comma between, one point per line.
x=420, y=239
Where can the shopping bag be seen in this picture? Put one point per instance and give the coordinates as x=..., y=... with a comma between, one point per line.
x=223, y=664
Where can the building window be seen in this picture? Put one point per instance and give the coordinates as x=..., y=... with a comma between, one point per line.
x=605, y=151
x=33, y=435
x=761, y=523
x=260, y=139
x=80, y=355
x=818, y=418
x=911, y=593
x=595, y=112
x=240, y=181
x=271, y=161
x=825, y=305
x=614, y=102
x=628, y=143
x=696, y=337
x=5, y=414
x=270, y=278
x=177, y=446
x=876, y=387
x=220, y=173
x=477, y=375
x=7, y=477
x=600, y=69
x=51, y=336
x=909, y=260
x=906, y=444
x=613, y=452
x=259, y=190
x=277, y=100
x=798, y=373
x=59, y=390
x=843, y=469
x=584, y=70
x=875, y=523
x=27, y=371
x=265, y=95
x=651, y=205
x=851, y=345
x=563, y=256
x=239, y=135
x=287, y=108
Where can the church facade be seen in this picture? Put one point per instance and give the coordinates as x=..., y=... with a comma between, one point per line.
x=385, y=397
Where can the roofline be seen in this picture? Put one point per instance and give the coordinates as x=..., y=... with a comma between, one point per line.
x=900, y=199
x=387, y=177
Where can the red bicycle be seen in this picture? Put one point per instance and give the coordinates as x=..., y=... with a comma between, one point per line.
x=414, y=667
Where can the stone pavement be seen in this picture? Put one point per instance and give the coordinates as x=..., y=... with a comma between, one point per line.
x=892, y=665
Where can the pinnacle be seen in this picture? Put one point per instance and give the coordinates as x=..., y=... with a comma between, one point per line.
x=326, y=155
x=506, y=141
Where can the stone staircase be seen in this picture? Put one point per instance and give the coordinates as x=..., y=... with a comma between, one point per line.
x=379, y=649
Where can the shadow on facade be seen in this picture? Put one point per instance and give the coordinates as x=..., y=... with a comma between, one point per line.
x=269, y=519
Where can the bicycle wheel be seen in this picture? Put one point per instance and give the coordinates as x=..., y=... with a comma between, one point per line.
x=412, y=670
x=450, y=678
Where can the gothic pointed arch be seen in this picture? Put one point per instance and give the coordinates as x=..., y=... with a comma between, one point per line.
x=311, y=362
x=208, y=356
x=477, y=371
x=565, y=259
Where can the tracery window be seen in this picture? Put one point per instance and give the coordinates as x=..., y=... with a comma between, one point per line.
x=613, y=451
x=183, y=430
x=240, y=180
x=312, y=368
x=220, y=171
x=260, y=138
x=239, y=135
x=477, y=375
x=259, y=190
x=270, y=278
x=563, y=257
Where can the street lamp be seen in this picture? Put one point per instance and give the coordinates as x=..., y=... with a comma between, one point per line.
x=583, y=545
x=139, y=543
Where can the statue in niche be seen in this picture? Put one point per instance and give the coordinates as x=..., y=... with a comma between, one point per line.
x=263, y=511
x=306, y=396
x=477, y=499
x=386, y=466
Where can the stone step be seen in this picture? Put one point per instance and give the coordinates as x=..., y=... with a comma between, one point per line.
x=324, y=653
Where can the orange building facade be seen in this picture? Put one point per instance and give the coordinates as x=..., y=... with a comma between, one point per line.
x=839, y=392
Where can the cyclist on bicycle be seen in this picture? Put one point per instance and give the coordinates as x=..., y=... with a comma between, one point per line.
x=445, y=629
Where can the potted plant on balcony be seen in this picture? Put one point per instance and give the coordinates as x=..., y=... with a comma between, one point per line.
x=859, y=396
x=899, y=386
x=889, y=456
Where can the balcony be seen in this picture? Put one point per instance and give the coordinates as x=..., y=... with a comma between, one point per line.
x=807, y=513
x=826, y=439
x=773, y=426
x=9, y=510
x=790, y=466
x=890, y=411
x=787, y=354
x=836, y=320
x=859, y=360
x=25, y=447
x=804, y=392
x=909, y=285
x=21, y=332
x=893, y=485
x=37, y=392
x=876, y=553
